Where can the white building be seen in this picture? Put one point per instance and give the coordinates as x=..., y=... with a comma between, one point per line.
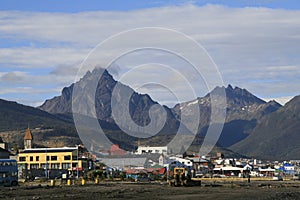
x=148, y=149
x=183, y=161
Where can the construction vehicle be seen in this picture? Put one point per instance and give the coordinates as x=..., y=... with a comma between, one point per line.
x=179, y=176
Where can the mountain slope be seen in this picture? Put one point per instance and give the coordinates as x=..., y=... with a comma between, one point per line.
x=243, y=112
x=15, y=118
x=276, y=136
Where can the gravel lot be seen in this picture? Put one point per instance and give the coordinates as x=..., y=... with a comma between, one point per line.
x=121, y=190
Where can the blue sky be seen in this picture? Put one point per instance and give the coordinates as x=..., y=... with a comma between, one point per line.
x=121, y=5
x=255, y=44
x=93, y=5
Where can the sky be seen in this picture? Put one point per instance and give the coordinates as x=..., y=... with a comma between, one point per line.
x=254, y=45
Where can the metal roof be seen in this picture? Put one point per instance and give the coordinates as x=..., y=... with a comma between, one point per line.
x=122, y=162
x=43, y=150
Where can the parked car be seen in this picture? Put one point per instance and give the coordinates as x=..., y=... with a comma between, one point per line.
x=277, y=178
x=143, y=179
x=219, y=176
x=199, y=175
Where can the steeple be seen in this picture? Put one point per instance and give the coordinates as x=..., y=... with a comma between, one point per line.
x=28, y=139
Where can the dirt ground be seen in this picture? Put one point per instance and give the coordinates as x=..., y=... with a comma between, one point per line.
x=122, y=190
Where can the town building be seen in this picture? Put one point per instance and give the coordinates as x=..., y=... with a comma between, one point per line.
x=51, y=158
x=4, y=153
x=150, y=150
x=47, y=159
x=115, y=150
x=185, y=162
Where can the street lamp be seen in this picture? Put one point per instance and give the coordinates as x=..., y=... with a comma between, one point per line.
x=46, y=167
x=77, y=161
x=46, y=163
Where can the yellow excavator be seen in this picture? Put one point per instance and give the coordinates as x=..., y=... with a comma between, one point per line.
x=180, y=177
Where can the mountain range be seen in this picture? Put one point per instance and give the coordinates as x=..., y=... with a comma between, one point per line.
x=252, y=127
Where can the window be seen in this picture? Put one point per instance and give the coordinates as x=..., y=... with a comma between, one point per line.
x=14, y=174
x=37, y=158
x=156, y=151
x=55, y=166
x=53, y=157
x=47, y=158
x=34, y=166
x=74, y=164
x=31, y=158
x=66, y=165
x=43, y=166
x=4, y=174
x=143, y=151
x=67, y=157
x=22, y=159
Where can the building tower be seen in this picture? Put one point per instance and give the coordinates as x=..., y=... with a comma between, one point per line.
x=28, y=139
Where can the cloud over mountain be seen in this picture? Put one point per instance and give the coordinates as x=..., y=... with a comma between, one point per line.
x=253, y=47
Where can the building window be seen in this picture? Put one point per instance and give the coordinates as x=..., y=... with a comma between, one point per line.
x=22, y=159
x=143, y=151
x=67, y=157
x=37, y=158
x=47, y=158
x=156, y=151
x=34, y=166
x=66, y=165
x=74, y=164
x=31, y=158
x=53, y=157
x=55, y=166
x=43, y=166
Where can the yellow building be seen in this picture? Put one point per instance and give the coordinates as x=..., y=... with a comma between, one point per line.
x=51, y=158
x=55, y=159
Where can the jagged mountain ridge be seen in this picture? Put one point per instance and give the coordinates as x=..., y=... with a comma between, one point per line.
x=139, y=104
x=243, y=112
x=244, y=109
x=250, y=121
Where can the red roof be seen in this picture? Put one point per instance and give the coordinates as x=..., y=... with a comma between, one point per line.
x=160, y=171
x=116, y=150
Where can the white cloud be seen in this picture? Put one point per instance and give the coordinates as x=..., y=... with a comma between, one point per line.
x=255, y=48
x=31, y=58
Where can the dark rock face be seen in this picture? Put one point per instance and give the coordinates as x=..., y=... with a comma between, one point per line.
x=139, y=104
